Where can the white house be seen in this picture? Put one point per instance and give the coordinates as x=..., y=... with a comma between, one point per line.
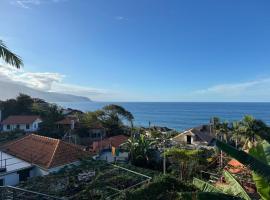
x=13, y=170
x=37, y=156
x=194, y=137
x=28, y=123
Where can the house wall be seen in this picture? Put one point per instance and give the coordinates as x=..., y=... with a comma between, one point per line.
x=183, y=138
x=32, y=127
x=11, y=179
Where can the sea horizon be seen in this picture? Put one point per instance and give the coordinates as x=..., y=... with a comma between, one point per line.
x=181, y=115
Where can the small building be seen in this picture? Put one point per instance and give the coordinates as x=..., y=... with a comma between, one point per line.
x=114, y=141
x=27, y=123
x=194, y=137
x=93, y=134
x=110, y=149
x=44, y=154
x=69, y=122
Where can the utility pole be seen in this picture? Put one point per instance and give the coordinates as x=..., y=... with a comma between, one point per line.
x=164, y=157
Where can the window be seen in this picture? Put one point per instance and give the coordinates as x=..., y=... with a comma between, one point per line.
x=17, y=126
x=24, y=174
x=1, y=182
x=8, y=126
x=27, y=126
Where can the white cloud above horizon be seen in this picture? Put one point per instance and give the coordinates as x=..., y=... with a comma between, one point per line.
x=49, y=82
x=246, y=91
x=254, y=90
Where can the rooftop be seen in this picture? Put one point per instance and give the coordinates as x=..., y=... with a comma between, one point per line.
x=114, y=141
x=44, y=151
x=20, y=119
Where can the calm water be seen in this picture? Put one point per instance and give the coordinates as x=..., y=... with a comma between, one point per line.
x=181, y=116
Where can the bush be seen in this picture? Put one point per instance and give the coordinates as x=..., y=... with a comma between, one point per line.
x=161, y=188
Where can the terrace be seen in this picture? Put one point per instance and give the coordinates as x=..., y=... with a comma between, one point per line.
x=92, y=179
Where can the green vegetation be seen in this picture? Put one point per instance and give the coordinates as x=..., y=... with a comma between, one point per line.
x=162, y=187
x=25, y=105
x=90, y=180
x=9, y=57
x=111, y=117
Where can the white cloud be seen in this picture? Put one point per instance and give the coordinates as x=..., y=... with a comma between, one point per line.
x=29, y=3
x=50, y=82
x=255, y=90
x=120, y=18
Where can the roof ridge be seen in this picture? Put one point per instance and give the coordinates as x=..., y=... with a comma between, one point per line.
x=56, y=147
x=45, y=137
x=16, y=140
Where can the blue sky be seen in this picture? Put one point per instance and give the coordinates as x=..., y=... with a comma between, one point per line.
x=142, y=50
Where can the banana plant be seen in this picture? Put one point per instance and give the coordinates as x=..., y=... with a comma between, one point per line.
x=233, y=187
x=255, y=164
x=261, y=152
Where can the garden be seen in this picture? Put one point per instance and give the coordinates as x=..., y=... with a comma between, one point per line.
x=90, y=180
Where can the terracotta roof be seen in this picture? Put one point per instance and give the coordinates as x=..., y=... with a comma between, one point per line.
x=20, y=119
x=66, y=121
x=235, y=166
x=114, y=141
x=44, y=151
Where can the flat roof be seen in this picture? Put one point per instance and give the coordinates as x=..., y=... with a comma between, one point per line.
x=12, y=163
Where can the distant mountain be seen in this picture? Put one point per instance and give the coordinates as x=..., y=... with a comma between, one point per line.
x=10, y=90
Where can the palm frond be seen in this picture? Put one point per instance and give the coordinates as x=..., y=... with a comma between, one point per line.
x=9, y=57
x=253, y=163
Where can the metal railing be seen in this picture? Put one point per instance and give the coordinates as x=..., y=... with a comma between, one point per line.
x=14, y=193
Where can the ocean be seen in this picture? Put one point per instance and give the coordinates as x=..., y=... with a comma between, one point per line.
x=181, y=116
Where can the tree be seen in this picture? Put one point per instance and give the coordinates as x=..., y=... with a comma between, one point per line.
x=113, y=109
x=185, y=161
x=10, y=57
x=113, y=116
x=237, y=132
x=139, y=149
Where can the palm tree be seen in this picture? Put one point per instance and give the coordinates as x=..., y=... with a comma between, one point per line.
x=10, y=57
x=237, y=130
x=139, y=149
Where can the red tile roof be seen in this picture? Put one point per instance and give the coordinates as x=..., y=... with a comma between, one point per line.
x=235, y=166
x=114, y=141
x=20, y=119
x=44, y=151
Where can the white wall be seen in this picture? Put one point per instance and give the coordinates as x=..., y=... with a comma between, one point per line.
x=11, y=179
x=32, y=127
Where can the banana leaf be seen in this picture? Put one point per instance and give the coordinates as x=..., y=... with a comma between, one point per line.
x=261, y=152
x=206, y=196
x=204, y=186
x=253, y=163
x=234, y=187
